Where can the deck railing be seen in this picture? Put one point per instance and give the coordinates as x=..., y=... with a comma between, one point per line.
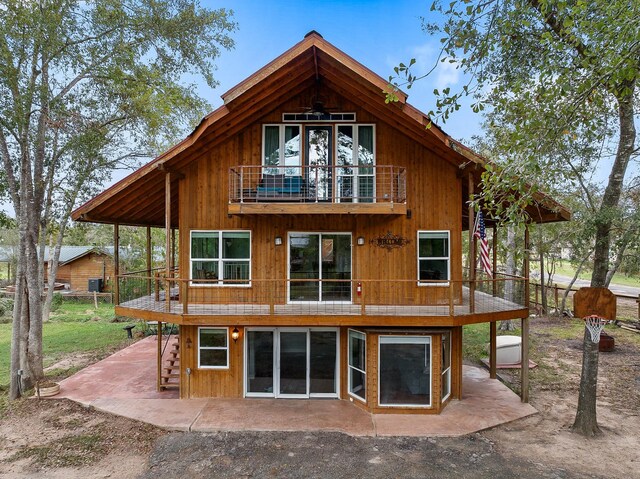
x=318, y=183
x=325, y=297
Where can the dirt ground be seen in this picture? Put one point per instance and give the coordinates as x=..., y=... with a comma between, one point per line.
x=59, y=439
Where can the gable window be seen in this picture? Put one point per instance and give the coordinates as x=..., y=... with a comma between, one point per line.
x=433, y=256
x=357, y=364
x=213, y=348
x=281, y=149
x=220, y=258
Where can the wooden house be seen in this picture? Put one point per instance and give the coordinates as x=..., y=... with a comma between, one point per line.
x=319, y=233
x=78, y=266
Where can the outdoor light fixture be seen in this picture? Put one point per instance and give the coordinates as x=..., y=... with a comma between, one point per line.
x=235, y=334
x=360, y=240
x=188, y=343
x=278, y=240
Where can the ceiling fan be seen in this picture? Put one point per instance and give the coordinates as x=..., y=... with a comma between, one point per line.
x=317, y=106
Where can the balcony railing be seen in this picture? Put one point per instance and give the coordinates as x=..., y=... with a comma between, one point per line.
x=317, y=184
x=321, y=297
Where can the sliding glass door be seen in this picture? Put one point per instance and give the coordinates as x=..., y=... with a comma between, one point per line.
x=291, y=362
x=320, y=267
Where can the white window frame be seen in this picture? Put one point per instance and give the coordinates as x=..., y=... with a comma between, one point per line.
x=354, y=159
x=276, y=362
x=281, y=146
x=422, y=339
x=448, y=258
x=213, y=348
x=220, y=260
x=349, y=366
x=445, y=376
x=320, y=280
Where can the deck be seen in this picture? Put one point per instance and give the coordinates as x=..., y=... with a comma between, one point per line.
x=486, y=307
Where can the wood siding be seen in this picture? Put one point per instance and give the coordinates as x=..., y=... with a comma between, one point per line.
x=433, y=196
x=77, y=273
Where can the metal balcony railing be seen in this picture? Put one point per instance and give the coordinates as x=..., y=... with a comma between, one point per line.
x=329, y=184
x=300, y=297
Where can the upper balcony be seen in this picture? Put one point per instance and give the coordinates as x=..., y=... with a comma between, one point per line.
x=318, y=189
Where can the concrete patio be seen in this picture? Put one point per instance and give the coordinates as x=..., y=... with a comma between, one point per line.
x=124, y=384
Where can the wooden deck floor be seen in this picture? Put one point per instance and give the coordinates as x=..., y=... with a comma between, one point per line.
x=484, y=303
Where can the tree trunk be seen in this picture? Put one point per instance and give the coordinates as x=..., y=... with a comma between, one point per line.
x=586, y=422
x=586, y=419
x=573, y=280
x=510, y=270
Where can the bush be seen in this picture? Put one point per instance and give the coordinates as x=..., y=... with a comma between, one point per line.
x=6, y=307
x=56, y=302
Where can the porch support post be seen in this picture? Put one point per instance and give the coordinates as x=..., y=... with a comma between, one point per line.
x=492, y=350
x=173, y=249
x=524, y=363
x=494, y=264
x=148, y=260
x=116, y=263
x=472, y=248
x=159, y=341
x=167, y=235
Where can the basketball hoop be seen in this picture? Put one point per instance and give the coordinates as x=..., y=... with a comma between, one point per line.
x=595, y=325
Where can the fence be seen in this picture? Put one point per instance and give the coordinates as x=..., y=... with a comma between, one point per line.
x=628, y=306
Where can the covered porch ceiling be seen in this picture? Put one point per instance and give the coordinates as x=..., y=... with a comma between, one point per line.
x=139, y=199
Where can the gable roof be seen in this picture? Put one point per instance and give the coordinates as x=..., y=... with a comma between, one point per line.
x=139, y=199
x=69, y=254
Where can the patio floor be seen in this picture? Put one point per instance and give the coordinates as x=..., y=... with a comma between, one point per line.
x=124, y=384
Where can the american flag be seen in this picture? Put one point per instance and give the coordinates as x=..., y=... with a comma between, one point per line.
x=481, y=234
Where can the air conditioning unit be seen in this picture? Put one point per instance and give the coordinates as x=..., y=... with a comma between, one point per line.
x=95, y=285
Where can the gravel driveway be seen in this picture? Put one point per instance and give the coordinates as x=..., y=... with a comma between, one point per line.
x=334, y=455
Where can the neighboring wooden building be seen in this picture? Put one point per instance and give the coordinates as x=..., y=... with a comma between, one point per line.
x=80, y=264
x=320, y=243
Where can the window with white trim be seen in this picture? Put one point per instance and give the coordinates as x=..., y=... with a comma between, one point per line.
x=220, y=258
x=281, y=149
x=213, y=348
x=357, y=364
x=433, y=256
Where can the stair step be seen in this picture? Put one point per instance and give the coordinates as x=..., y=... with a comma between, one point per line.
x=170, y=368
x=171, y=375
x=170, y=386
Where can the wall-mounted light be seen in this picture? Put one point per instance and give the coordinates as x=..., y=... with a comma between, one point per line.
x=235, y=334
x=278, y=240
x=188, y=343
x=360, y=240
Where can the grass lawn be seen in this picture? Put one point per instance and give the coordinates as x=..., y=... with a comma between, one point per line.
x=74, y=328
x=565, y=268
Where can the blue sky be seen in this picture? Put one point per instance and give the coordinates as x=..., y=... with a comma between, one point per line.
x=378, y=34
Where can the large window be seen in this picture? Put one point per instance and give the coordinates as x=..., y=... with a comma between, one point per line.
x=213, y=348
x=220, y=257
x=433, y=256
x=357, y=364
x=281, y=149
x=404, y=371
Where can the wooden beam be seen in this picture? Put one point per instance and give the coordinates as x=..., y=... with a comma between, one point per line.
x=167, y=234
x=148, y=253
x=116, y=263
x=472, y=246
x=494, y=265
x=524, y=366
x=492, y=349
x=159, y=355
x=289, y=208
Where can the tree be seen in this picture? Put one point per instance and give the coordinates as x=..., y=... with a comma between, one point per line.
x=552, y=72
x=87, y=87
